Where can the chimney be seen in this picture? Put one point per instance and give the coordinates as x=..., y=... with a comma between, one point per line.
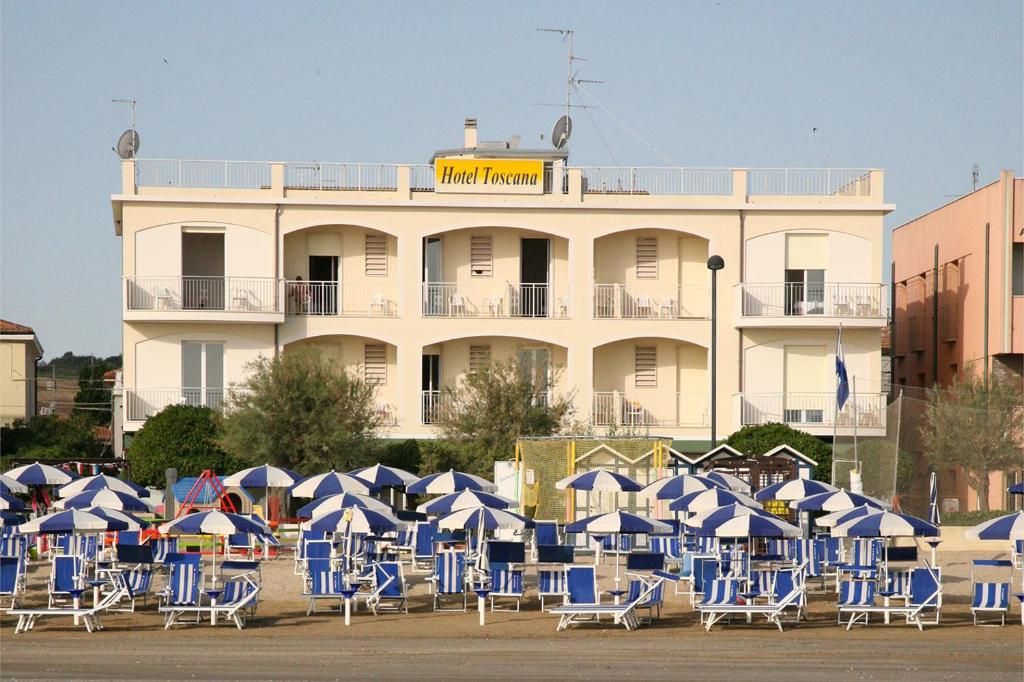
x=469, y=141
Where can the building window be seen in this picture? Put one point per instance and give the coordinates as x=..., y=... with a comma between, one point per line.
x=646, y=366
x=647, y=258
x=1017, y=269
x=481, y=258
x=202, y=373
x=479, y=358
x=375, y=364
x=376, y=255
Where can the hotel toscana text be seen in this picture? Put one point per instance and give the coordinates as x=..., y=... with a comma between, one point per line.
x=489, y=176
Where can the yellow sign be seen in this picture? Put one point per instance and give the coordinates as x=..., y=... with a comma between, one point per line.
x=489, y=176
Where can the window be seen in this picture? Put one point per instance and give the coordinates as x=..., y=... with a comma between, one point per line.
x=1017, y=269
x=805, y=294
x=202, y=373
x=376, y=255
x=647, y=258
x=481, y=259
x=645, y=365
x=808, y=384
x=479, y=358
x=375, y=364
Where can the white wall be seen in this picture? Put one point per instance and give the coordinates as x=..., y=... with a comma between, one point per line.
x=849, y=258
x=158, y=360
x=248, y=252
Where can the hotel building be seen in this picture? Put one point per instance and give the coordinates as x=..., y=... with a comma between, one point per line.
x=413, y=275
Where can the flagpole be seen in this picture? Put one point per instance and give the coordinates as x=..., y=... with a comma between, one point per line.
x=856, y=459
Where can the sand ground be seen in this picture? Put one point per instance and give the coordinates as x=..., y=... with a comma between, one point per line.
x=283, y=643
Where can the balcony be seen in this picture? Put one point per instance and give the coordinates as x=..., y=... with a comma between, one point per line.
x=641, y=302
x=815, y=412
x=826, y=304
x=650, y=409
x=494, y=300
x=340, y=299
x=212, y=298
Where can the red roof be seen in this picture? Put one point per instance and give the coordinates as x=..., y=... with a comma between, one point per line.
x=14, y=328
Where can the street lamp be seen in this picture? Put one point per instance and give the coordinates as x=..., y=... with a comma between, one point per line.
x=715, y=263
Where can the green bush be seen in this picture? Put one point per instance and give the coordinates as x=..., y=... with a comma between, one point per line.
x=971, y=518
x=757, y=440
x=182, y=437
x=50, y=437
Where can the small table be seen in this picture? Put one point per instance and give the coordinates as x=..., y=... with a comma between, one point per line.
x=76, y=600
x=96, y=584
x=616, y=594
x=886, y=595
x=348, y=593
x=213, y=594
x=481, y=599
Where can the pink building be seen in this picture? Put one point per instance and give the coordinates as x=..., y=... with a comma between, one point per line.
x=958, y=276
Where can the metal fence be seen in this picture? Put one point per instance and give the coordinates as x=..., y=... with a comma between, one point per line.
x=198, y=173
x=340, y=176
x=826, y=299
x=229, y=294
x=649, y=408
x=657, y=181
x=808, y=181
x=343, y=299
x=642, y=301
x=494, y=299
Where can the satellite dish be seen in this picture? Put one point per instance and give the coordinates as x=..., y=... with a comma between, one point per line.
x=561, y=132
x=127, y=144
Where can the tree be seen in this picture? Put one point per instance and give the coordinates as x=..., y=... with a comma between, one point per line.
x=50, y=437
x=976, y=426
x=93, y=398
x=757, y=440
x=488, y=411
x=303, y=411
x=182, y=437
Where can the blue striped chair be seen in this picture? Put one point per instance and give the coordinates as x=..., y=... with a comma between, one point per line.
x=854, y=594
x=305, y=537
x=66, y=577
x=389, y=588
x=652, y=603
x=162, y=547
x=783, y=584
x=423, y=554
x=323, y=582
x=897, y=584
x=140, y=584
x=507, y=583
x=702, y=568
x=990, y=598
x=926, y=591
x=551, y=583
x=581, y=585
x=10, y=580
x=670, y=546
x=718, y=592
x=450, y=579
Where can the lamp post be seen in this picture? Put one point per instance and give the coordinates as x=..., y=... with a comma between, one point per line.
x=715, y=263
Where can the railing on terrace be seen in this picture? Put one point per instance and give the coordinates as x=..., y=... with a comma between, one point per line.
x=657, y=181
x=198, y=173
x=421, y=178
x=649, y=408
x=342, y=299
x=366, y=177
x=828, y=299
x=229, y=294
x=494, y=299
x=808, y=182
x=647, y=302
x=143, y=403
x=812, y=409
x=431, y=404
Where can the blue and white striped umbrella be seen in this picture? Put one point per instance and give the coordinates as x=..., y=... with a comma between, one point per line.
x=263, y=476
x=133, y=522
x=331, y=483
x=103, y=497
x=674, y=487
x=796, y=489
x=213, y=522
x=618, y=523
x=1017, y=488
x=354, y=520
x=749, y=526
x=733, y=483
x=844, y=515
x=100, y=482
x=71, y=521
x=383, y=476
x=1009, y=527
x=331, y=503
x=39, y=474
x=466, y=499
x=933, y=500
x=483, y=518
x=831, y=502
x=10, y=503
x=704, y=500
x=884, y=524
x=10, y=519
x=9, y=485
x=450, y=482
x=713, y=516
x=600, y=480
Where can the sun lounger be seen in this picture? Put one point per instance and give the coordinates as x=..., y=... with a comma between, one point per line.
x=390, y=590
x=544, y=533
x=786, y=592
x=990, y=597
x=90, y=617
x=717, y=593
x=66, y=578
x=506, y=582
x=233, y=611
x=450, y=579
x=423, y=555
x=925, y=595
x=162, y=547
x=11, y=582
x=622, y=614
x=322, y=583
x=551, y=583
x=638, y=584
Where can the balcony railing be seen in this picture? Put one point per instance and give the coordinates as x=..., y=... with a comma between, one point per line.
x=142, y=403
x=431, y=404
x=189, y=173
x=642, y=408
x=812, y=409
x=643, y=302
x=809, y=182
x=228, y=294
x=365, y=177
x=494, y=299
x=829, y=299
x=340, y=299
x=657, y=181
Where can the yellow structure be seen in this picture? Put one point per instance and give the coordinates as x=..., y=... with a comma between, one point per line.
x=416, y=274
x=19, y=352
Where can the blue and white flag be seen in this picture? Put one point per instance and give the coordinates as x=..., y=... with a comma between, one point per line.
x=842, y=381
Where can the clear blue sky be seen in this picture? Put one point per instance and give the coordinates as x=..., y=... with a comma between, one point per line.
x=922, y=89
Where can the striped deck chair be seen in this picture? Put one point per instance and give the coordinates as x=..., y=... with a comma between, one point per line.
x=654, y=599
x=423, y=555
x=761, y=582
x=183, y=590
x=990, y=598
x=240, y=543
x=66, y=575
x=717, y=592
x=551, y=583
x=390, y=590
x=777, y=547
x=162, y=547
x=128, y=537
x=11, y=582
x=786, y=583
x=1017, y=553
x=897, y=584
x=926, y=593
x=507, y=583
x=785, y=595
x=238, y=591
x=305, y=537
x=670, y=546
x=89, y=616
x=854, y=595
x=703, y=566
x=450, y=579
x=544, y=533
x=140, y=584
x=322, y=583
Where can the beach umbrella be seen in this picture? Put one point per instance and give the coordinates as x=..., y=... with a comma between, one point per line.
x=100, y=482
x=713, y=498
x=1017, y=488
x=734, y=483
x=884, y=524
x=618, y=523
x=750, y=526
x=834, y=501
x=1009, y=527
x=104, y=497
x=723, y=513
x=354, y=520
x=116, y=515
x=600, y=480
x=9, y=485
x=39, y=474
x=71, y=521
x=483, y=518
x=10, y=503
x=465, y=499
x=331, y=483
x=381, y=476
x=933, y=499
x=263, y=476
x=450, y=482
x=843, y=515
x=674, y=487
x=332, y=503
x=213, y=522
x=8, y=518
x=796, y=489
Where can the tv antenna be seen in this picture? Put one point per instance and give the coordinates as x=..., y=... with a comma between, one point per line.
x=563, y=127
x=128, y=144
x=975, y=174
